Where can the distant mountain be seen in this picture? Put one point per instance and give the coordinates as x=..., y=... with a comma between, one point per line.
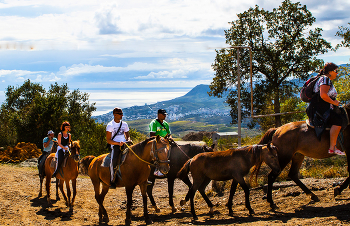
x=196, y=105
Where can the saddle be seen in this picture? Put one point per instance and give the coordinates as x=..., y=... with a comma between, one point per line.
x=64, y=163
x=107, y=161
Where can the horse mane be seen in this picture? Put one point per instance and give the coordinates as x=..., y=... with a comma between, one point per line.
x=138, y=148
x=267, y=137
x=253, y=179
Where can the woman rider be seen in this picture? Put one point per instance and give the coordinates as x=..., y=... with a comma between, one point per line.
x=64, y=139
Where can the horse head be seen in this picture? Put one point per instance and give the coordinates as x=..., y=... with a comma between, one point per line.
x=270, y=157
x=208, y=149
x=75, y=150
x=161, y=153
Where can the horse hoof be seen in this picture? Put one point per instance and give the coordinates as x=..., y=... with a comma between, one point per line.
x=195, y=218
x=127, y=222
x=173, y=209
x=314, y=198
x=156, y=209
x=336, y=192
x=182, y=202
x=211, y=211
x=273, y=206
x=58, y=198
x=149, y=221
x=251, y=212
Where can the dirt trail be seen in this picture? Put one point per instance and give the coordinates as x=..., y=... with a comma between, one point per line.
x=19, y=204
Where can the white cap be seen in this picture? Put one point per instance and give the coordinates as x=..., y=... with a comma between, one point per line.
x=50, y=132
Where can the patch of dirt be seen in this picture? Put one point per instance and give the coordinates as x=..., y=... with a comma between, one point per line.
x=20, y=204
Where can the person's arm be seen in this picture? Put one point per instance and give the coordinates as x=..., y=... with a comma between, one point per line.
x=152, y=130
x=324, y=95
x=110, y=141
x=47, y=143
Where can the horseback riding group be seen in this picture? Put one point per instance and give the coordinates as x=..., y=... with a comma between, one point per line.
x=159, y=156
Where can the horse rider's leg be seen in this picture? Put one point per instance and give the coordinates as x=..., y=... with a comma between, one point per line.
x=48, y=183
x=187, y=181
x=74, y=186
x=129, y=191
x=150, y=195
x=346, y=183
x=143, y=188
x=297, y=160
x=246, y=192
x=114, y=161
x=57, y=194
x=201, y=189
x=60, y=158
x=171, y=194
x=230, y=198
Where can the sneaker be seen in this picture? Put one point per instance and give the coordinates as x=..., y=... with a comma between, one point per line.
x=158, y=173
x=336, y=152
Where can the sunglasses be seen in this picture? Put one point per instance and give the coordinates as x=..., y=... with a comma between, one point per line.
x=336, y=70
x=119, y=113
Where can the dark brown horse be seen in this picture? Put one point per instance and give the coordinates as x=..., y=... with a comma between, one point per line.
x=69, y=173
x=179, y=155
x=225, y=165
x=41, y=168
x=296, y=140
x=134, y=171
x=84, y=164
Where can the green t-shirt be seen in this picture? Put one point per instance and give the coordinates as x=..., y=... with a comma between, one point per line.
x=157, y=128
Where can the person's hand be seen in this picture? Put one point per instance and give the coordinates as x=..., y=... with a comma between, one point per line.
x=121, y=143
x=336, y=103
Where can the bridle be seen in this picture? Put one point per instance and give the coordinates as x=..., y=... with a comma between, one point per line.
x=154, y=154
x=75, y=157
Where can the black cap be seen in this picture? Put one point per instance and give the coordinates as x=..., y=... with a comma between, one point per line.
x=162, y=111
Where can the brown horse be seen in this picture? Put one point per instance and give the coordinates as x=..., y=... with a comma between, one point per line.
x=41, y=167
x=296, y=140
x=84, y=164
x=225, y=165
x=69, y=173
x=134, y=171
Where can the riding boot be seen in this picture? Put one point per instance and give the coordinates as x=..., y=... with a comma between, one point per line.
x=60, y=157
x=115, y=158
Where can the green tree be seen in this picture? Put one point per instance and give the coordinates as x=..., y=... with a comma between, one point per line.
x=283, y=46
x=344, y=32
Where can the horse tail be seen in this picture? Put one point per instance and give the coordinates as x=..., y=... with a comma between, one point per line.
x=267, y=137
x=183, y=172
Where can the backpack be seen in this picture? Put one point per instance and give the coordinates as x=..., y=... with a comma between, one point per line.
x=307, y=91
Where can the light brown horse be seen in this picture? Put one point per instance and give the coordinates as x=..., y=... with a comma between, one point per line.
x=225, y=165
x=296, y=140
x=84, y=164
x=42, y=172
x=134, y=171
x=69, y=173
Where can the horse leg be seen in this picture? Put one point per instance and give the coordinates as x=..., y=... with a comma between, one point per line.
x=62, y=190
x=103, y=216
x=297, y=160
x=48, y=182
x=230, y=198
x=150, y=195
x=192, y=192
x=143, y=188
x=246, y=192
x=171, y=194
x=346, y=183
x=41, y=186
x=68, y=201
x=187, y=181
x=57, y=184
x=201, y=189
x=129, y=192
x=74, y=186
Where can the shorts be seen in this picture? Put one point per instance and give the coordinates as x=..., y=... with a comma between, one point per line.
x=334, y=119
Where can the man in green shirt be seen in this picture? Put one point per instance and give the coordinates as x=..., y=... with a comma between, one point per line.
x=159, y=127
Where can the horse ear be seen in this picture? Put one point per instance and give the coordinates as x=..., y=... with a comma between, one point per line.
x=158, y=138
x=212, y=146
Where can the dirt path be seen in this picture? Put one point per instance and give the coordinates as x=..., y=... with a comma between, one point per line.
x=19, y=204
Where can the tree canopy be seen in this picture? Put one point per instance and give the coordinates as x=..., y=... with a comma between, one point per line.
x=284, y=50
x=344, y=32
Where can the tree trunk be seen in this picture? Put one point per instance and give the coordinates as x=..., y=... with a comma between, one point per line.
x=277, y=108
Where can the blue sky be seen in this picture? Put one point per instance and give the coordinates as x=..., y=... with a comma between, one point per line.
x=127, y=53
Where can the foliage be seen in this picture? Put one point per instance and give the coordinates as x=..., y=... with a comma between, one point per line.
x=342, y=84
x=344, y=32
x=282, y=49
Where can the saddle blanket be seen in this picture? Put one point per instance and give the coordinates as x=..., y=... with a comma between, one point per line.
x=107, y=160
x=54, y=161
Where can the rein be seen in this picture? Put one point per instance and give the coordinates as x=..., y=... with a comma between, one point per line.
x=157, y=159
x=181, y=150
